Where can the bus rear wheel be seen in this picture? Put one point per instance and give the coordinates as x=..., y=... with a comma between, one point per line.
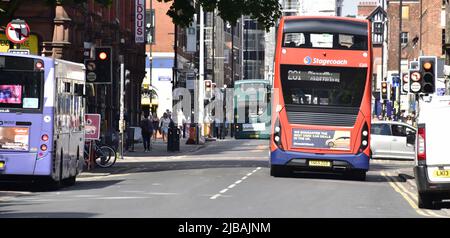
x=70, y=181
x=358, y=175
x=279, y=171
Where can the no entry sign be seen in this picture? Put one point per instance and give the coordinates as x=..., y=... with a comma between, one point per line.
x=17, y=31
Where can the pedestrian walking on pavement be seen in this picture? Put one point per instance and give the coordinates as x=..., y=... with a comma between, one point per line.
x=164, y=125
x=147, y=131
x=155, y=121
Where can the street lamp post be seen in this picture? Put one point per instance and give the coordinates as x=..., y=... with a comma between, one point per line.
x=397, y=89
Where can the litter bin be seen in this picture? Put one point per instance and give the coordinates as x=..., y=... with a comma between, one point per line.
x=173, y=139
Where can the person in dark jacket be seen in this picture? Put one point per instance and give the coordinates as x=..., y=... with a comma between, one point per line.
x=147, y=131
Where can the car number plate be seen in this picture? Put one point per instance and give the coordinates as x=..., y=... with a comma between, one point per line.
x=442, y=173
x=319, y=163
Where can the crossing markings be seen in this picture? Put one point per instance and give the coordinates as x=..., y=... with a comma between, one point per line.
x=410, y=197
x=223, y=191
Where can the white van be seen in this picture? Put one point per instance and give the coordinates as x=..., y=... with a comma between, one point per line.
x=432, y=162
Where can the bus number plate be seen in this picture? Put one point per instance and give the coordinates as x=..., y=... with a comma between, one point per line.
x=442, y=173
x=319, y=163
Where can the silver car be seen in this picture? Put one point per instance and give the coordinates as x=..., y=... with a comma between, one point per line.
x=392, y=140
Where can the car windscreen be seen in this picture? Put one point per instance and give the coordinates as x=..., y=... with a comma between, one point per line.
x=323, y=87
x=380, y=129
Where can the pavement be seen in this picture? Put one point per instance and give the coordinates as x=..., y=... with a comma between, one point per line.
x=136, y=155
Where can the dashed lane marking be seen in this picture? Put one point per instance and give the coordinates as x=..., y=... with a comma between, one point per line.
x=223, y=191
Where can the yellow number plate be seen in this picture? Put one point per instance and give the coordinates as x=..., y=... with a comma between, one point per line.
x=319, y=163
x=442, y=173
x=2, y=165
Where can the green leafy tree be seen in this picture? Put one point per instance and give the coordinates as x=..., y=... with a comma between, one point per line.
x=266, y=12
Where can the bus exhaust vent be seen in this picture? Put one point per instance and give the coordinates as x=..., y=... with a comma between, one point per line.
x=322, y=119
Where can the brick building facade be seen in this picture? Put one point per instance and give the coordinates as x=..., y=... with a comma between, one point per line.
x=422, y=31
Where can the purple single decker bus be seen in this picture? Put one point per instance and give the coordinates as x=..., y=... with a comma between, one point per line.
x=41, y=119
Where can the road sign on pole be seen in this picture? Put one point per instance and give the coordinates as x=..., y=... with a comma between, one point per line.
x=17, y=31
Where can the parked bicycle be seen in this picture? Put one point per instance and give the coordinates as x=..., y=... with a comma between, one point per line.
x=105, y=156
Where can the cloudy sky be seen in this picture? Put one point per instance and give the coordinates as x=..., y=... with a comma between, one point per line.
x=350, y=7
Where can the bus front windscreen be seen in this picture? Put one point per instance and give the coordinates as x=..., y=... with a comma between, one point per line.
x=323, y=86
x=20, y=90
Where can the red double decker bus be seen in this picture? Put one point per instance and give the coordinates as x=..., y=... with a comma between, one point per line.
x=321, y=110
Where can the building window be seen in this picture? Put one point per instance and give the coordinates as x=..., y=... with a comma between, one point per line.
x=443, y=41
x=405, y=12
x=150, y=25
x=404, y=38
x=378, y=27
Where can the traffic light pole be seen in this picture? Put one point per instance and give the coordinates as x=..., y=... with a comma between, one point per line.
x=201, y=79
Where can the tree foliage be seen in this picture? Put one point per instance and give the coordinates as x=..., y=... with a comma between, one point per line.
x=266, y=12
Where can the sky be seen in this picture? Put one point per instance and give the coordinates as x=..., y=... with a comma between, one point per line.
x=350, y=7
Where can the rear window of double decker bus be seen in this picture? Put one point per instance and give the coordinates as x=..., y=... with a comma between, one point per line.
x=20, y=85
x=323, y=86
x=325, y=41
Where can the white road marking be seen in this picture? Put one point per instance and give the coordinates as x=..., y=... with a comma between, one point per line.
x=234, y=184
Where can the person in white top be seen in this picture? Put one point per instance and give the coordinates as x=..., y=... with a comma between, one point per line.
x=164, y=125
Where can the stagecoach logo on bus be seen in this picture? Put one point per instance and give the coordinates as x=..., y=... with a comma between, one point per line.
x=307, y=60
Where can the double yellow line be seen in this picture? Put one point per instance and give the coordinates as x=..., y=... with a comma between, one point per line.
x=410, y=197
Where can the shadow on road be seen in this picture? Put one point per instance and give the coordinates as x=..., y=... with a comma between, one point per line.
x=370, y=178
x=12, y=214
x=31, y=187
x=159, y=166
x=443, y=205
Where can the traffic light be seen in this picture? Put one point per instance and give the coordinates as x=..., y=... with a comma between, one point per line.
x=428, y=70
x=384, y=91
x=208, y=89
x=99, y=69
x=405, y=83
x=391, y=95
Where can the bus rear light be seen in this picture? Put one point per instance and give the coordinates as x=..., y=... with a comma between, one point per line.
x=44, y=147
x=277, y=134
x=364, y=143
x=364, y=138
x=421, y=148
x=39, y=65
x=44, y=137
x=277, y=129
